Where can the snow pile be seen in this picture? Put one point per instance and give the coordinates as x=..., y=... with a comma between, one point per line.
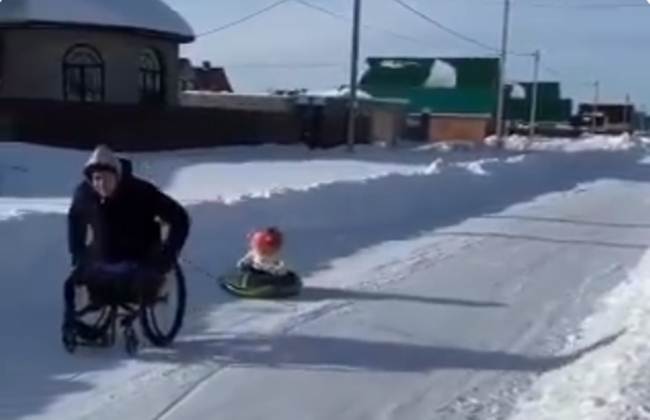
x=398, y=64
x=598, y=142
x=342, y=92
x=46, y=177
x=609, y=383
x=234, y=180
x=477, y=167
x=643, y=139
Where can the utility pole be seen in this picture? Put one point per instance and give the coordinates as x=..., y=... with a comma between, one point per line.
x=533, y=100
x=627, y=115
x=354, y=64
x=594, y=108
x=502, y=72
x=643, y=117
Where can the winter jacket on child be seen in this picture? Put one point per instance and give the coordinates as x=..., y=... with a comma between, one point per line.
x=271, y=264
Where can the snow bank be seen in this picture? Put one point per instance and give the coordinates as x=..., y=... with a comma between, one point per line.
x=41, y=179
x=344, y=215
x=611, y=382
x=590, y=143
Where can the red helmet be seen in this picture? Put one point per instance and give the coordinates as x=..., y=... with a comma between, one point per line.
x=267, y=240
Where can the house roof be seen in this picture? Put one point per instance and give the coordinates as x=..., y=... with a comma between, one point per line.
x=151, y=16
x=437, y=85
x=478, y=72
x=546, y=90
x=214, y=79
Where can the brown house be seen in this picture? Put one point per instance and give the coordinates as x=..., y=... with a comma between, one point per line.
x=112, y=51
x=204, y=78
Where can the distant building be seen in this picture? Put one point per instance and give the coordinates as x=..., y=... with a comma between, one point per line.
x=609, y=116
x=204, y=78
x=112, y=51
x=551, y=107
x=448, y=98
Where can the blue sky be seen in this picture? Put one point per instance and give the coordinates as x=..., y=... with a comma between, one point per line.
x=295, y=46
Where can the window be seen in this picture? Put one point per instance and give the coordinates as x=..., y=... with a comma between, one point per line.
x=83, y=75
x=151, y=77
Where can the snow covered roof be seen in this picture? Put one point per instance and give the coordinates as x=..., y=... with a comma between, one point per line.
x=153, y=16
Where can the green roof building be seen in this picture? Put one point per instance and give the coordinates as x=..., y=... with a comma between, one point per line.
x=436, y=85
x=551, y=107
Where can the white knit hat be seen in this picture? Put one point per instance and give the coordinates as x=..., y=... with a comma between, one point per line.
x=103, y=158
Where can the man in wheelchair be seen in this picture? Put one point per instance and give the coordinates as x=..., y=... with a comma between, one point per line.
x=114, y=237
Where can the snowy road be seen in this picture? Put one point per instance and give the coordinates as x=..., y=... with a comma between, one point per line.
x=441, y=291
x=477, y=309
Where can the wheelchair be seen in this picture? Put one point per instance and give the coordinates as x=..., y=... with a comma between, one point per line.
x=104, y=305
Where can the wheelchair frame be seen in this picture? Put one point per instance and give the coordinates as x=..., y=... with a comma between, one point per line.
x=125, y=314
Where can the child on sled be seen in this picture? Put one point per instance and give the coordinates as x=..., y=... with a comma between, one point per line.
x=261, y=272
x=263, y=256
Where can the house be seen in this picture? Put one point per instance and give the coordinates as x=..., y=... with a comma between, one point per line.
x=205, y=78
x=551, y=107
x=449, y=98
x=75, y=73
x=108, y=51
x=610, y=117
x=316, y=118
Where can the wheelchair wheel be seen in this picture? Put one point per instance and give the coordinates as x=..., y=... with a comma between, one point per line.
x=69, y=339
x=91, y=325
x=162, y=319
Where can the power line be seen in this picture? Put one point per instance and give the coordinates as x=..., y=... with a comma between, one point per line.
x=566, y=5
x=376, y=28
x=443, y=27
x=551, y=71
x=243, y=19
x=323, y=10
x=582, y=6
x=562, y=76
x=343, y=17
x=454, y=32
x=346, y=18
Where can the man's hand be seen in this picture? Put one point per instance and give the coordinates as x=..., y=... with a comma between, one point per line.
x=164, y=261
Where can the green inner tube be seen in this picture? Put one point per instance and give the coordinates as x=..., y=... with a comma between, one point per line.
x=255, y=285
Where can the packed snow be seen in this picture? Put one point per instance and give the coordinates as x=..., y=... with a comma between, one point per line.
x=598, y=142
x=488, y=284
x=610, y=383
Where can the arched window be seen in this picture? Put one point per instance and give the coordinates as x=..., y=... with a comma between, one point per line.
x=151, y=77
x=83, y=74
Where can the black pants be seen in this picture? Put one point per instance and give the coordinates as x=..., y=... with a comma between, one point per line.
x=112, y=284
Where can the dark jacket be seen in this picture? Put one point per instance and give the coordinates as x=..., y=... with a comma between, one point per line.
x=124, y=226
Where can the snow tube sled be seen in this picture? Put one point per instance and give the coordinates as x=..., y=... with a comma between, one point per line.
x=260, y=285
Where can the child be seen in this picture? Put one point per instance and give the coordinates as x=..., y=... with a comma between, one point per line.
x=264, y=253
